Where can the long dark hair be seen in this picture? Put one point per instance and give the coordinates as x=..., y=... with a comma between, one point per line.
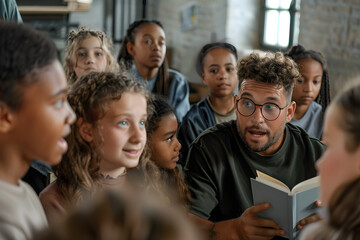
x=299, y=52
x=125, y=59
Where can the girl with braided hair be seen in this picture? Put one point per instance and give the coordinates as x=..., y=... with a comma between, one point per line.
x=312, y=91
x=88, y=51
x=108, y=138
x=142, y=53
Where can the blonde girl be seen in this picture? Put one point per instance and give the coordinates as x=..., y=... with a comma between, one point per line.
x=88, y=51
x=106, y=141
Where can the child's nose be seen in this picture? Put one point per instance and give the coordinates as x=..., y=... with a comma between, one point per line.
x=137, y=134
x=178, y=145
x=308, y=86
x=222, y=74
x=156, y=46
x=90, y=59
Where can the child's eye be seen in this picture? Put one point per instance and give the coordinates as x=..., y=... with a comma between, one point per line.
x=169, y=139
x=59, y=103
x=161, y=43
x=214, y=70
x=230, y=69
x=81, y=54
x=142, y=123
x=98, y=54
x=300, y=81
x=316, y=82
x=122, y=123
x=147, y=41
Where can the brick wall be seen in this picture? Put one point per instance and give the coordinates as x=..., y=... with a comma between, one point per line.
x=231, y=20
x=333, y=28
x=329, y=26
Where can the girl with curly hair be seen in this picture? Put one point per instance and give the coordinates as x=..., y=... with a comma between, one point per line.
x=88, y=51
x=108, y=139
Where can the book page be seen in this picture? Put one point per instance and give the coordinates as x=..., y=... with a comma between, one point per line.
x=312, y=182
x=262, y=177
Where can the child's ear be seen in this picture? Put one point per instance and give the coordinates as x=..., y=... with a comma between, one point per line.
x=130, y=48
x=85, y=130
x=6, y=118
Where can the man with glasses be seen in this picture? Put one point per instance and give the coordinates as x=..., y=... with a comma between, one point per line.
x=222, y=159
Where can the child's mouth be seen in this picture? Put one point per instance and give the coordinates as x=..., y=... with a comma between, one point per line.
x=62, y=145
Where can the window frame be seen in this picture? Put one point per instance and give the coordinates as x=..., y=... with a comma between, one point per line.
x=293, y=10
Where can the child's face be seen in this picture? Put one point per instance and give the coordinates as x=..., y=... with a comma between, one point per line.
x=308, y=87
x=337, y=165
x=44, y=117
x=123, y=133
x=219, y=72
x=149, y=48
x=164, y=145
x=90, y=57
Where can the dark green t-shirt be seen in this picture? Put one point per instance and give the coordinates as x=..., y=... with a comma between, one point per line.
x=219, y=168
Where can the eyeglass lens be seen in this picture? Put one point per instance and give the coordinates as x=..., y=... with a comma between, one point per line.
x=247, y=107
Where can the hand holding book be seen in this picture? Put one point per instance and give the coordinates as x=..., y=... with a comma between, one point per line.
x=288, y=207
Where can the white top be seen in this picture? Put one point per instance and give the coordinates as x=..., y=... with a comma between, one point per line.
x=21, y=213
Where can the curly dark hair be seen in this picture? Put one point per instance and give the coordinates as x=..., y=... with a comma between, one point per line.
x=78, y=172
x=273, y=68
x=299, y=52
x=24, y=53
x=125, y=59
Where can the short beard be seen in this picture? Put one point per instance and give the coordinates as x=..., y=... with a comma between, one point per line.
x=271, y=142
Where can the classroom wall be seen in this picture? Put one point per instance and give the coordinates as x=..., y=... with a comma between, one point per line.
x=217, y=20
x=333, y=28
x=329, y=26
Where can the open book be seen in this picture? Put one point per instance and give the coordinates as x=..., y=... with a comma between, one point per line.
x=288, y=207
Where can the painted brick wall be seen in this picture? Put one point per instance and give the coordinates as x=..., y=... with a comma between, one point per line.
x=231, y=20
x=333, y=28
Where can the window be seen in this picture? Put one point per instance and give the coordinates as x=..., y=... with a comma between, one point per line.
x=281, y=24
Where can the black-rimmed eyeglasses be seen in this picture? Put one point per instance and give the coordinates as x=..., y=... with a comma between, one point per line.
x=246, y=107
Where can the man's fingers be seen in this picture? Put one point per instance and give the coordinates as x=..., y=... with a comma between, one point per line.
x=258, y=208
x=266, y=223
x=303, y=222
x=258, y=221
x=264, y=233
